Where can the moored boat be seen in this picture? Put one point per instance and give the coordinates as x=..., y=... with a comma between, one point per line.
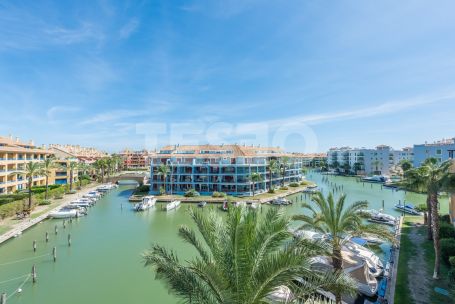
x=172, y=205
x=147, y=202
x=407, y=208
x=64, y=213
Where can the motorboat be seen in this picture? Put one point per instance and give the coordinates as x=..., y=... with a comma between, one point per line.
x=147, y=202
x=281, y=201
x=379, y=217
x=240, y=204
x=202, y=204
x=281, y=294
x=64, y=213
x=407, y=208
x=81, y=204
x=310, y=190
x=354, y=266
x=81, y=210
x=172, y=205
x=254, y=205
x=376, y=179
x=373, y=261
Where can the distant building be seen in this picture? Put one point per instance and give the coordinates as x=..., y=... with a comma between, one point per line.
x=83, y=154
x=441, y=150
x=378, y=161
x=14, y=155
x=222, y=168
x=61, y=174
x=311, y=159
x=135, y=159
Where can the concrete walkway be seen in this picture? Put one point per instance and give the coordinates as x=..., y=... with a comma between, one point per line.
x=24, y=224
x=390, y=292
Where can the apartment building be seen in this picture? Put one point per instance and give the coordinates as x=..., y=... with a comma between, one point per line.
x=14, y=155
x=379, y=161
x=83, y=154
x=441, y=150
x=311, y=159
x=135, y=159
x=61, y=174
x=222, y=168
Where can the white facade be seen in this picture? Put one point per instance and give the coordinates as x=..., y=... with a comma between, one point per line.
x=380, y=160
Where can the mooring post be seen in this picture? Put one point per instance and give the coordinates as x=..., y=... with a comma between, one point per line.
x=34, y=274
x=69, y=239
x=3, y=298
x=47, y=237
x=71, y=220
x=64, y=224
x=34, y=246
x=54, y=253
x=55, y=229
x=382, y=204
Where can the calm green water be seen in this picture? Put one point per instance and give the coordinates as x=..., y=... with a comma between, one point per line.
x=103, y=265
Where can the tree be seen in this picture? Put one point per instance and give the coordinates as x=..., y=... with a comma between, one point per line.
x=101, y=165
x=72, y=166
x=405, y=165
x=283, y=165
x=31, y=170
x=47, y=169
x=163, y=171
x=83, y=169
x=433, y=178
x=254, y=178
x=340, y=221
x=346, y=168
x=242, y=259
x=273, y=168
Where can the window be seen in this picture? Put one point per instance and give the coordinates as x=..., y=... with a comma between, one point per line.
x=438, y=152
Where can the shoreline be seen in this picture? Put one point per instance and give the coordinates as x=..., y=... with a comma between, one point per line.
x=23, y=225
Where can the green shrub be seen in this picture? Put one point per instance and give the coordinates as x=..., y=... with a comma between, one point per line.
x=294, y=184
x=446, y=231
x=271, y=190
x=447, y=249
x=218, y=194
x=162, y=190
x=143, y=188
x=191, y=193
x=422, y=208
x=444, y=218
x=44, y=202
x=304, y=183
x=452, y=261
x=284, y=188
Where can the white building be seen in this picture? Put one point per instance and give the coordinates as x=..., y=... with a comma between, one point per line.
x=441, y=150
x=379, y=161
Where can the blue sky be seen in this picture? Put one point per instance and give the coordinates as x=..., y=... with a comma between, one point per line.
x=306, y=75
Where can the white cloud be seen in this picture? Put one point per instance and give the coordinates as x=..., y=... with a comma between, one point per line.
x=112, y=116
x=128, y=29
x=53, y=112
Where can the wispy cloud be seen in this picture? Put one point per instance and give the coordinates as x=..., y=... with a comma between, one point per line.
x=129, y=28
x=53, y=112
x=112, y=116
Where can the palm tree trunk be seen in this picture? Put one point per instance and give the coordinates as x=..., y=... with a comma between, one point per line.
x=30, y=182
x=254, y=186
x=429, y=220
x=337, y=262
x=71, y=180
x=47, y=187
x=271, y=185
x=435, y=225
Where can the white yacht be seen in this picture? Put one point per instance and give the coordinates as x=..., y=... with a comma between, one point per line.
x=148, y=202
x=64, y=213
x=407, y=208
x=172, y=205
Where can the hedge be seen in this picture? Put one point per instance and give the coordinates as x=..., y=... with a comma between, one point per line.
x=191, y=193
x=218, y=194
x=446, y=231
x=447, y=249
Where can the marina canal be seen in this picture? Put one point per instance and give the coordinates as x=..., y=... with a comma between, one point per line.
x=103, y=264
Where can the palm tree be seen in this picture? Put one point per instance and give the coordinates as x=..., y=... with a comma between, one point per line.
x=283, y=166
x=273, y=168
x=433, y=178
x=31, y=170
x=242, y=259
x=83, y=169
x=339, y=221
x=47, y=169
x=101, y=165
x=163, y=170
x=254, y=178
x=405, y=165
x=72, y=166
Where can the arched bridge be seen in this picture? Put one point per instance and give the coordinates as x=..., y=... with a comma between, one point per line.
x=141, y=178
